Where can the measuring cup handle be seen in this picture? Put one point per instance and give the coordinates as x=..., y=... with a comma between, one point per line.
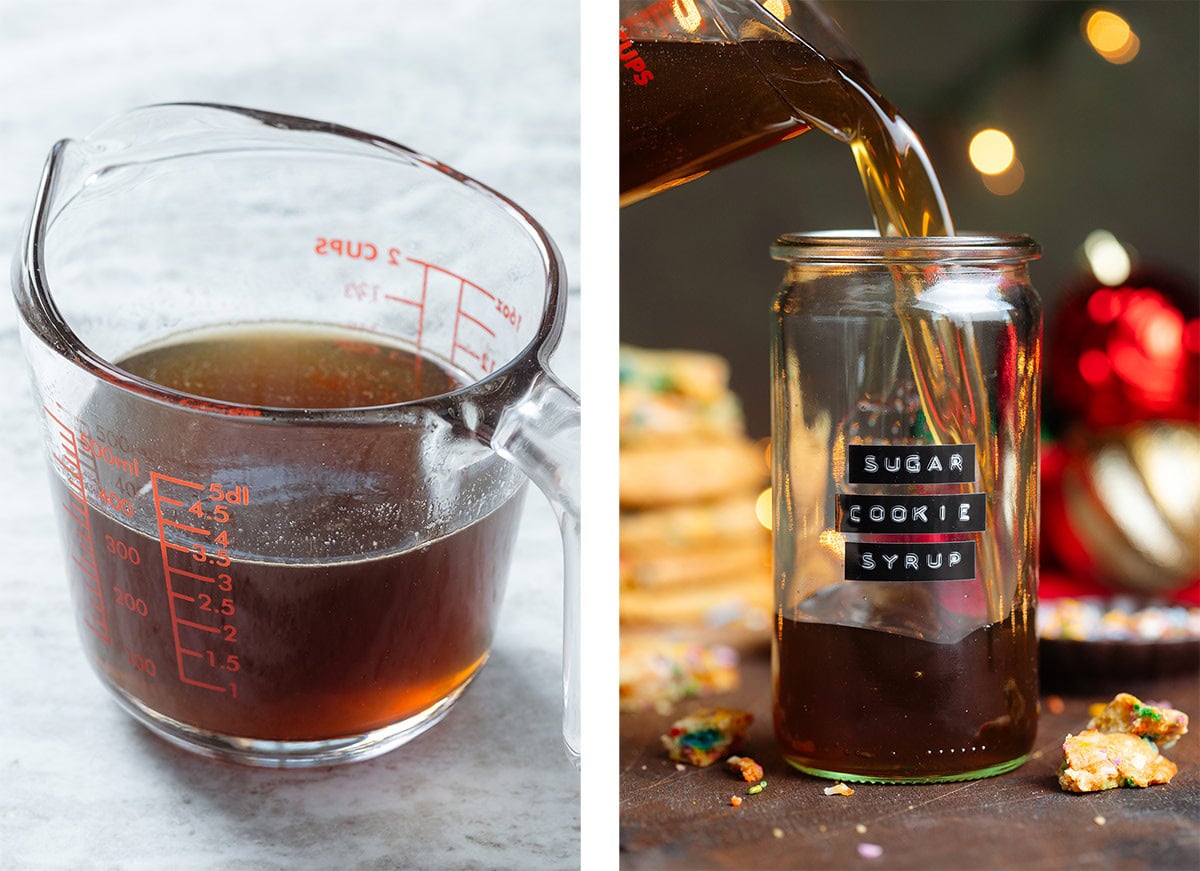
x=540, y=434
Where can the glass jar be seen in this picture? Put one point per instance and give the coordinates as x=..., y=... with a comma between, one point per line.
x=905, y=388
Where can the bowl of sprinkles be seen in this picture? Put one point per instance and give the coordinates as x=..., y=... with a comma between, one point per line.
x=1096, y=638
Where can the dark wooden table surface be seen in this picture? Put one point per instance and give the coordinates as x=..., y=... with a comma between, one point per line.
x=1020, y=820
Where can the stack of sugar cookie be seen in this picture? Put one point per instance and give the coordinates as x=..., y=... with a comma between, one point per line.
x=695, y=561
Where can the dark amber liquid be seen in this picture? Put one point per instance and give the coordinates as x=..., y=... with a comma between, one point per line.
x=320, y=649
x=879, y=705
x=702, y=109
x=297, y=366
x=711, y=103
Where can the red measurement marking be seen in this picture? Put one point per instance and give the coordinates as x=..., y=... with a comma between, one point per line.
x=425, y=267
x=71, y=468
x=454, y=345
x=199, y=626
x=459, y=314
x=203, y=685
x=478, y=288
x=402, y=299
x=172, y=575
x=424, y=297
x=480, y=324
x=187, y=528
x=77, y=509
x=192, y=575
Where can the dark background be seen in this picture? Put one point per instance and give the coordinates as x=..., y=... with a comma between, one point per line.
x=1103, y=147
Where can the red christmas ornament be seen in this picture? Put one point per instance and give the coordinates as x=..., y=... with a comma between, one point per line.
x=1118, y=355
x=1121, y=511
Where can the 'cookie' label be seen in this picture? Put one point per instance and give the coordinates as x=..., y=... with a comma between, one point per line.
x=881, y=561
x=910, y=464
x=907, y=515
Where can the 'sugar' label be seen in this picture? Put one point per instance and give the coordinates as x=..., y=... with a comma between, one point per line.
x=910, y=464
x=906, y=515
x=883, y=561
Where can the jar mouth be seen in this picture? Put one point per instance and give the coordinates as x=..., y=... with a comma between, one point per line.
x=859, y=246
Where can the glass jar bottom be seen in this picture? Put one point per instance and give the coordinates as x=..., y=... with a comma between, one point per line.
x=978, y=774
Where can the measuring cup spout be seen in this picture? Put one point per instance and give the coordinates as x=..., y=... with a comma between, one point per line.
x=539, y=432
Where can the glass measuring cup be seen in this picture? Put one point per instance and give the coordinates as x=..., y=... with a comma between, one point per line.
x=707, y=82
x=302, y=585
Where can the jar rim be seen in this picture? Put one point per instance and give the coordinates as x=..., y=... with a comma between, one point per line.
x=858, y=246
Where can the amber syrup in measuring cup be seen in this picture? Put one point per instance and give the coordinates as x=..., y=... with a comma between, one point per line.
x=295, y=651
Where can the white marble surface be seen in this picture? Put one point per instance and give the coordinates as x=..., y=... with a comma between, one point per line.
x=491, y=92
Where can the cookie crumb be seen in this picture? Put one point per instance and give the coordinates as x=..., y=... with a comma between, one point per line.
x=861, y=829
x=777, y=832
x=706, y=735
x=822, y=828
x=839, y=789
x=749, y=770
x=1120, y=746
x=1094, y=761
x=870, y=851
x=1161, y=725
x=1099, y=820
x=679, y=766
x=1055, y=704
x=735, y=800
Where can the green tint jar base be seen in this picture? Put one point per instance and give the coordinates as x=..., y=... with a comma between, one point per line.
x=991, y=771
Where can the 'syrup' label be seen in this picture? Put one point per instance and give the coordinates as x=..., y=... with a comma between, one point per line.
x=910, y=464
x=879, y=561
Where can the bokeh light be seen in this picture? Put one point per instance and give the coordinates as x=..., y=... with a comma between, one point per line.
x=991, y=151
x=1006, y=183
x=687, y=15
x=1111, y=36
x=781, y=9
x=1106, y=257
x=762, y=508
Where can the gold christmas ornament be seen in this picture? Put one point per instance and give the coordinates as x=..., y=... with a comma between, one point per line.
x=1133, y=499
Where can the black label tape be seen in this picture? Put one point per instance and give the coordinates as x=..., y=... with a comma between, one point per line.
x=910, y=464
x=912, y=515
x=900, y=561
